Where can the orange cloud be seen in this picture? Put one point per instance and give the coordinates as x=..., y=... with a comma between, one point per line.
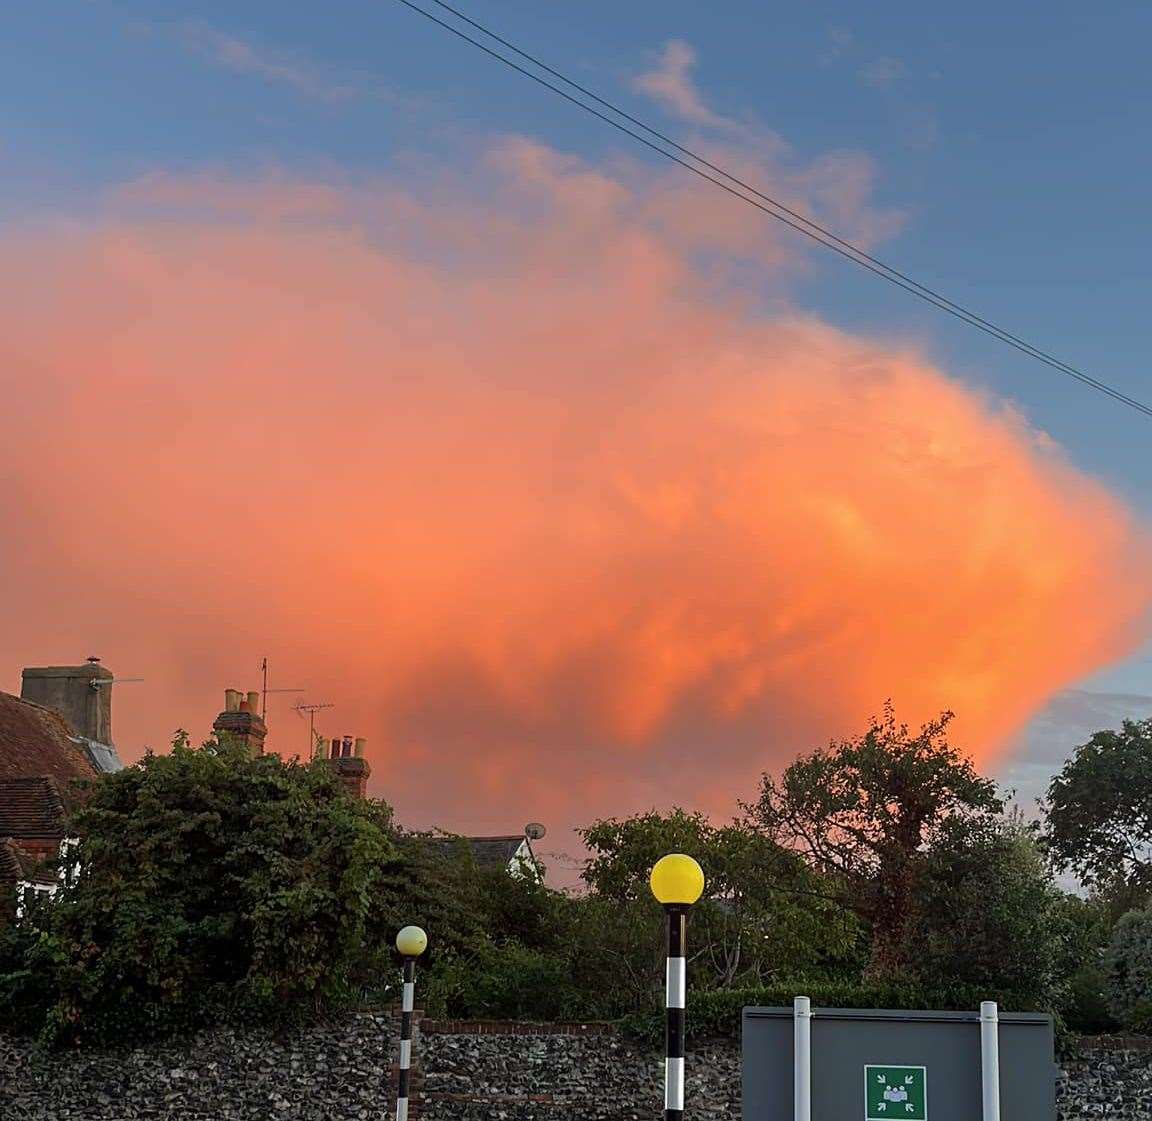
x=519, y=476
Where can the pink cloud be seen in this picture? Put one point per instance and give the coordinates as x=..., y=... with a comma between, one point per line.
x=243, y=57
x=670, y=84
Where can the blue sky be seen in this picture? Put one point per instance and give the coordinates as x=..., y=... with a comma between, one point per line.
x=1011, y=139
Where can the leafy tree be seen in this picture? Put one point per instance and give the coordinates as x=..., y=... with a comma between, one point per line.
x=987, y=912
x=213, y=884
x=864, y=810
x=1088, y=925
x=1129, y=970
x=764, y=913
x=503, y=944
x=1099, y=813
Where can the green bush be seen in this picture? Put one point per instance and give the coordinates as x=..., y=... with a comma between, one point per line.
x=986, y=911
x=504, y=982
x=718, y=1013
x=211, y=886
x=1129, y=971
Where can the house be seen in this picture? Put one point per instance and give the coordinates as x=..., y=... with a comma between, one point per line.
x=511, y=852
x=21, y=874
x=55, y=735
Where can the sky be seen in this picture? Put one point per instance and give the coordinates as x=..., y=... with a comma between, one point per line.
x=574, y=485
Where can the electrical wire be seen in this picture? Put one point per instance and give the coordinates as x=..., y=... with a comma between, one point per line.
x=761, y=201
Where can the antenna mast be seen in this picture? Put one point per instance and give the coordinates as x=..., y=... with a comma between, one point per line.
x=265, y=690
x=302, y=708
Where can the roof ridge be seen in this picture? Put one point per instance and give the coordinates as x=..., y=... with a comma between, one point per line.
x=36, y=704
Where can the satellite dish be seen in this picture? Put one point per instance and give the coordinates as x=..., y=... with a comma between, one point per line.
x=534, y=831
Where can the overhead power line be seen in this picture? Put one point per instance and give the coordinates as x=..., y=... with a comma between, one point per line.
x=733, y=185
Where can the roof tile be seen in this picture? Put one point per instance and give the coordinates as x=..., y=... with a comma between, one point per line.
x=37, y=741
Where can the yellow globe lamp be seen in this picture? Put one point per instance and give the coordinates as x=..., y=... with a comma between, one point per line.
x=677, y=880
x=411, y=942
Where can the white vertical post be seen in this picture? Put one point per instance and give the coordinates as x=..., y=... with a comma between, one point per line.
x=990, y=1060
x=802, y=1050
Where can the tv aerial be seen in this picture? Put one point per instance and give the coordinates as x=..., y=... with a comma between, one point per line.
x=301, y=708
x=99, y=682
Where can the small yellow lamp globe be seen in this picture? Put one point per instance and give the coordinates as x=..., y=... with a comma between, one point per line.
x=411, y=942
x=677, y=879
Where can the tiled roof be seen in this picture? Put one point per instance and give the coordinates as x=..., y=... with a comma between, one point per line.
x=37, y=741
x=31, y=809
x=17, y=865
x=488, y=852
x=10, y=870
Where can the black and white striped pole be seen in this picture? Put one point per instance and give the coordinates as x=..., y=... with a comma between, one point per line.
x=677, y=881
x=411, y=942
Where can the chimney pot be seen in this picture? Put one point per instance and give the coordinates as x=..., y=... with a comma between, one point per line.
x=360, y=744
x=346, y=748
x=240, y=723
x=254, y=702
x=335, y=748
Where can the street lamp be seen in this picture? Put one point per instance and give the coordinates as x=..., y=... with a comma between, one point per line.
x=411, y=942
x=677, y=881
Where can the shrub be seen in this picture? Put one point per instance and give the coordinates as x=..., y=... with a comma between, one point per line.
x=503, y=982
x=211, y=886
x=718, y=1013
x=1129, y=971
x=987, y=912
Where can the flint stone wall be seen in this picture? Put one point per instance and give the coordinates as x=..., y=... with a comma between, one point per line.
x=323, y=1074
x=467, y=1072
x=1107, y=1077
x=502, y=1073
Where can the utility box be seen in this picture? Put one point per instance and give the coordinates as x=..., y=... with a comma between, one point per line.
x=877, y=1065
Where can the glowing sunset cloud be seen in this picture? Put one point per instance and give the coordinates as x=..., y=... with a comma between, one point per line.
x=523, y=476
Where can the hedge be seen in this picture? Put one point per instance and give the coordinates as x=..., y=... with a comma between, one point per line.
x=717, y=1014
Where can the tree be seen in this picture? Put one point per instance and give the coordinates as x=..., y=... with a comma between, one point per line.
x=1088, y=926
x=863, y=810
x=763, y=914
x=213, y=884
x=1129, y=970
x=1099, y=813
x=987, y=912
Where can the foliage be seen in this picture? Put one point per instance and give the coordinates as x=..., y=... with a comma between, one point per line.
x=763, y=911
x=503, y=945
x=26, y=989
x=508, y=981
x=211, y=884
x=986, y=910
x=1129, y=970
x=1099, y=812
x=215, y=886
x=718, y=1013
x=864, y=810
x=1087, y=925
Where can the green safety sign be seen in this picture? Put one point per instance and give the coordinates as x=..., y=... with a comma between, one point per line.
x=895, y=1091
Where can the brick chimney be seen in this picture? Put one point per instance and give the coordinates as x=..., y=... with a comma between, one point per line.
x=347, y=760
x=240, y=722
